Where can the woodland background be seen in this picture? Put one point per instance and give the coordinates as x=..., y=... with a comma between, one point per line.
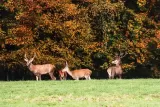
x=86, y=33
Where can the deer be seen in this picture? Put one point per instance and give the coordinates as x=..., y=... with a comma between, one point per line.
x=39, y=70
x=78, y=73
x=62, y=75
x=116, y=70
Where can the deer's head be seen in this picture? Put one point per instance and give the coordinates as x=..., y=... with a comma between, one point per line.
x=61, y=74
x=117, y=61
x=118, y=58
x=29, y=61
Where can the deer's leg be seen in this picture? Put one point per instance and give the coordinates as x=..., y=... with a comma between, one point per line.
x=60, y=78
x=112, y=74
x=110, y=77
x=76, y=78
x=86, y=77
x=37, y=77
x=109, y=71
x=89, y=78
x=120, y=76
x=52, y=77
x=60, y=75
x=65, y=76
x=40, y=77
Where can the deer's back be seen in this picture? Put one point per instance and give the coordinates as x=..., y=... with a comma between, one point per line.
x=43, y=69
x=81, y=72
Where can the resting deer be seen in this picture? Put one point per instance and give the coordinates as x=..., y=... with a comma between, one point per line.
x=62, y=75
x=39, y=70
x=77, y=74
x=117, y=69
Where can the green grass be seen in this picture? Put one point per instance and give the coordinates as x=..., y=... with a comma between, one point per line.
x=70, y=93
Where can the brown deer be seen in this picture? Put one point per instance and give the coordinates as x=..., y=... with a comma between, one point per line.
x=39, y=70
x=116, y=70
x=77, y=74
x=62, y=75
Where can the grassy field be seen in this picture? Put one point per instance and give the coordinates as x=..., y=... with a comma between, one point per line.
x=94, y=93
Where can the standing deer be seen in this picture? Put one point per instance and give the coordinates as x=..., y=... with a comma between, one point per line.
x=62, y=75
x=117, y=69
x=39, y=70
x=77, y=74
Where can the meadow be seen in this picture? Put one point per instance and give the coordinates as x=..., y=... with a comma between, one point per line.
x=70, y=93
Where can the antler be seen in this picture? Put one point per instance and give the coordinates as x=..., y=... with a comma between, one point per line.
x=123, y=54
x=25, y=57
x=33, y=57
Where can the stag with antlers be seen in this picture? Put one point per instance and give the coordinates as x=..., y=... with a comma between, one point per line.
x=39, y=70
x=116, y=70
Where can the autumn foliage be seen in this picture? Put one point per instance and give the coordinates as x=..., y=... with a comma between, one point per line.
x=86, y=33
